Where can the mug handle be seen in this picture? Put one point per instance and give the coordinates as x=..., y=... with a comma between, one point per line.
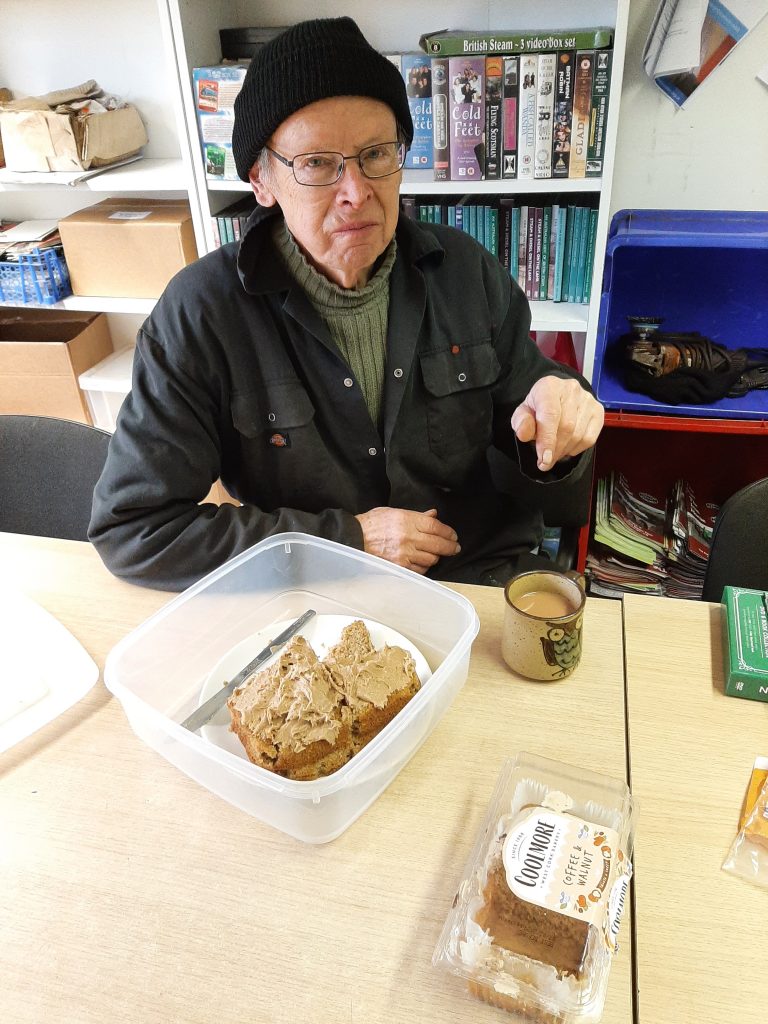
x=578, y=578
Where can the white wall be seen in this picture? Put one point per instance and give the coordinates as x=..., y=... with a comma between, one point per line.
x=712, y=154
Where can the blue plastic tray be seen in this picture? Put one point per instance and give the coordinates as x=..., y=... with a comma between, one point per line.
x=40, y=277
x=701, y=270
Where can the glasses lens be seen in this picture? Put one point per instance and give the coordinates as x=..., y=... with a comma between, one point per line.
x=379, y=161
x=317, y=168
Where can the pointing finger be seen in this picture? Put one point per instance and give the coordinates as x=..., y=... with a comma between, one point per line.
x=547, y=423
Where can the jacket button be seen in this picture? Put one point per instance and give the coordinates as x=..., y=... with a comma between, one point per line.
x=462, y=377
x=398, y=373
x=371, y=451
x=348, y=382
x=271, y=417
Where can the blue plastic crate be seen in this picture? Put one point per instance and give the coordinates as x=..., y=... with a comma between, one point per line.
x=40, y=277
x=701, y=270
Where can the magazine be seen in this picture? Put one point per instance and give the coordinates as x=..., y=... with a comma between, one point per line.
x=690, y=38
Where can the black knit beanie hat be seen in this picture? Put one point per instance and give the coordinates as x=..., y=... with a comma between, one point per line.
x=311, y=61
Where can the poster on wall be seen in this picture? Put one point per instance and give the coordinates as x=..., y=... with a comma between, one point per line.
x=690, y=38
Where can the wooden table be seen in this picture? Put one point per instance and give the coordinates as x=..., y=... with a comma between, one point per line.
x=700, y=933
x=132, y=894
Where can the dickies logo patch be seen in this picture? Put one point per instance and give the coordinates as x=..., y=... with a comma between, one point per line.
x=279, y=439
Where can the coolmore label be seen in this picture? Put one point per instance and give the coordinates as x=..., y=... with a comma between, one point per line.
x=562, y=862
x=616, y=903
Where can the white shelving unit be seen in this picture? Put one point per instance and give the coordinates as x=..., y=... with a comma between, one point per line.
x=107, y=304
x=143, y=175
x=126, y=46
x=422, y=183
x=144, y=51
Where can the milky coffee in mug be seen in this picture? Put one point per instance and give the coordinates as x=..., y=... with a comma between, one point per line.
x=541, y=633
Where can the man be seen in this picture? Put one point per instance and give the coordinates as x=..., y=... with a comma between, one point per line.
x=345, y=370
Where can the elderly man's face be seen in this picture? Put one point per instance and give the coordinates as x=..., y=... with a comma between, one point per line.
x=343, y=228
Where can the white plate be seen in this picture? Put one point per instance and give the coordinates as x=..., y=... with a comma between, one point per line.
x=322, y=632
x=43, y=669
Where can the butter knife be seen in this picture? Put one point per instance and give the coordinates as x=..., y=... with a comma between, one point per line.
x=207, y=710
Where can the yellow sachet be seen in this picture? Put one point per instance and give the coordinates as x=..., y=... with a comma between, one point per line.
x=758, y=777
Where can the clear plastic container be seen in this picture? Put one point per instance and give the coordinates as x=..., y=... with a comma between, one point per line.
x=158, y=670
x=534, y=924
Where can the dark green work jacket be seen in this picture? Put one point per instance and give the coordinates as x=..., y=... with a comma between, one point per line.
x=236, y=376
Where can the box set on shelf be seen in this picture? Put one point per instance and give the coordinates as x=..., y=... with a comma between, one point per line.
x=216, y=89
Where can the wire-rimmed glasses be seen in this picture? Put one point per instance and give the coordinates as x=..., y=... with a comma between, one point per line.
x=322, y=168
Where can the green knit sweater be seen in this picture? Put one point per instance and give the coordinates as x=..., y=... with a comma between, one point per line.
x=356, y=317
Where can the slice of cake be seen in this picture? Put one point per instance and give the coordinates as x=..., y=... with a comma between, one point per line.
x=304, y=718
x=373, y=684
x=530, y=930
x=289, y=717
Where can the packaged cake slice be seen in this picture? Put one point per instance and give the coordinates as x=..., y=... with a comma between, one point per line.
x=535, y=921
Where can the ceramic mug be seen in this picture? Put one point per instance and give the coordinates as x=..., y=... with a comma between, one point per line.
x=541, y=632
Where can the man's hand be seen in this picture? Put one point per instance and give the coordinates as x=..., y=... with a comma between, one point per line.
x=561, y=417
x=415, y=540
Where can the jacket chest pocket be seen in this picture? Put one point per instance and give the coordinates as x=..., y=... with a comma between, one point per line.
x=459, y=406
x=277, y=416
x=282, y=461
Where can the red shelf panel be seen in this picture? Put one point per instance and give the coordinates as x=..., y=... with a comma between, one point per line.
x=684, y=424
x=653, y=451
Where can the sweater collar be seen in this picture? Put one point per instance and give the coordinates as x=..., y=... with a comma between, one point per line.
x=323, y=293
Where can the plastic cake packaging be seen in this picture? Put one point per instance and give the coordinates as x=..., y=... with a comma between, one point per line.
x=535, y=921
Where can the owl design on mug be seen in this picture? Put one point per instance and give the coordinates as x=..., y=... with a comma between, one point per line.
x=562, y=646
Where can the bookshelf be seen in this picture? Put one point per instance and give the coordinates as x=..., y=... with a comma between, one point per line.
x=144, y=51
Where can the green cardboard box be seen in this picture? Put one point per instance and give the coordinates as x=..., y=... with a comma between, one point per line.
x=745, y=642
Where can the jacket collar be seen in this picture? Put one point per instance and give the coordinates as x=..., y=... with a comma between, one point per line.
x=415, y=243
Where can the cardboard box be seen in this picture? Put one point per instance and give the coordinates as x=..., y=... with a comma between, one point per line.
x=745, y=642
x=127, y=246
x=69, y=130
x=42, y=354
x=215, y=91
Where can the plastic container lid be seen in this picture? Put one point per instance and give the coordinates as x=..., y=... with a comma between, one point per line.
x=534, y=924
x=111, y=374
x=44, y=670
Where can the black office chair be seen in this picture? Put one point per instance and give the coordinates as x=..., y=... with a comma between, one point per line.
x=738, y=554
x=48, y=469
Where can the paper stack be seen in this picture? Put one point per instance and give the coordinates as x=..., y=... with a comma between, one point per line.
x=649, y=543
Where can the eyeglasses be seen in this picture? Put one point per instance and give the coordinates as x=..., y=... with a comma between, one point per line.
x=326, y=168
